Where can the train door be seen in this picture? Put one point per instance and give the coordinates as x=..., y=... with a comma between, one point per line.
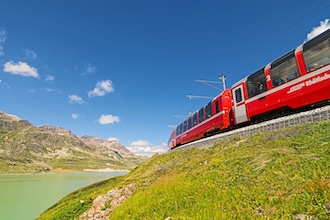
x=239, y=104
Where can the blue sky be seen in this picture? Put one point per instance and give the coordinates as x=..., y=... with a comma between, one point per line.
x=123, y=69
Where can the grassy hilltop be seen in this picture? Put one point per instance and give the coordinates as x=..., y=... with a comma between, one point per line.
x=277, y=175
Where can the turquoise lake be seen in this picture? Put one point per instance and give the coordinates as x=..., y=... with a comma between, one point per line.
x=25, y=196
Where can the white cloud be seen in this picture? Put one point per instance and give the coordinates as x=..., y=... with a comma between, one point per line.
x=3, y=84
x=3, y=37
x=1, y=51
x=49, y=78
x=145, y=148
x=75, y=116
x=108, y=119
x=21, y=68
x=30, y=54
x=90, y=69
x=140, y=143
x=324, y=25
x=101, y=88
x=75, y=98
x=113, y=139
x=52, y=90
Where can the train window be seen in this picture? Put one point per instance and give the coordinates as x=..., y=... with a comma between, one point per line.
x=238, y=95
x=185, y=126
x=181, y=130
x=256, y=83
x=317, y=52
x=208, y=110
x=284, y=69
x=201, y=115
x=195, y=119
x=216, y=106
x=189, y=123
x=177, y=131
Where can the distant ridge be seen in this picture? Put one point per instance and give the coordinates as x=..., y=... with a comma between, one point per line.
x=56, y=129
x=25, y=148
x=111, y=145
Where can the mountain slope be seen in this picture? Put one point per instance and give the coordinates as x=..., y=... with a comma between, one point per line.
x=104, y=145
x=27, y=148
x=270, y=175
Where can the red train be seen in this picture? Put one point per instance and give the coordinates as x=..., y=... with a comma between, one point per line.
x=299, y=79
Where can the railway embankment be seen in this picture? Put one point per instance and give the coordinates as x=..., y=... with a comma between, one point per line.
x=270, y=174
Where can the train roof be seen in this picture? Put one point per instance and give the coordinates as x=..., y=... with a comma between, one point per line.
x=239, y=82
x=325, y=34
x=220, y=94
x=196, y=111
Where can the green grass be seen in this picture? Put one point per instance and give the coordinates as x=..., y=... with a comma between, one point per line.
x=271, y=175
x=78, y=201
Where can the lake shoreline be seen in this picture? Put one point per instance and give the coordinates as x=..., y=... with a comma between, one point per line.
x=105, y=170
x=55, y=171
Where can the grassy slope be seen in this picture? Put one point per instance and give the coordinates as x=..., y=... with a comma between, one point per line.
x=283, y=174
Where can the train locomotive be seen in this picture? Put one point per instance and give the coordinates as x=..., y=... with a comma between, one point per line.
x=296, y=81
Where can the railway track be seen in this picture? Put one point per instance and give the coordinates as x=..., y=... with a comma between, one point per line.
x=302, y=118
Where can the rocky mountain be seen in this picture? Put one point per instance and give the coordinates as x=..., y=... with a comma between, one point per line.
x=27, y=148
x=55, y=129
x=113, y=145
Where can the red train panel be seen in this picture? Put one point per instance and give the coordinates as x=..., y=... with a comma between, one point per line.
x=219, y=119
x=298, y=79
x=303, y=91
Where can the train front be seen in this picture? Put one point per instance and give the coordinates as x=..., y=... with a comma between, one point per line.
x=171, y=140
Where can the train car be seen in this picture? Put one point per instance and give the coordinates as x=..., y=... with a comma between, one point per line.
x=171, y=141
x=213, y=117
x=299, y=79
